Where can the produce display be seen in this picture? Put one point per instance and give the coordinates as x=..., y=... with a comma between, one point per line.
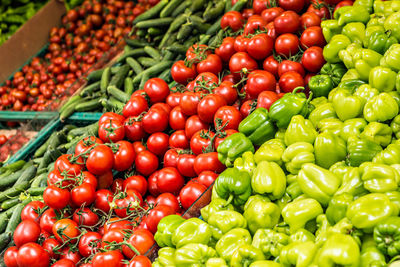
x=287, y=112
x=11, y=143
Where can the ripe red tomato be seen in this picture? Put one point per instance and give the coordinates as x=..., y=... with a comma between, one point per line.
x=138, y=146
x=136, y=182
x=86, y=143
x=270, y=14
x=319, y=8
x=295, y=5
x=208, y=106
x=271, y=65
x=83, y=195
x=10, y=257
x=67, y=228
x=26, y=231
x=178, y=139
x=47, y=220
x=63, y=164
x=135, y=106
x=103, y=199
x=226, y=49
x=127, y=202
x=32, y=254
x=195, y=50
x=171, y=158
x=49, y=244
x=313, y=59
x=207, y=178
x=169, y=200
x=309, y=19
x=89, y=244
x=100, y=160
x=208, y=162
x=266, y=99
x=30, y=211
x=312, y=36
x=105, y=180
x=157, y=143
x=64, y=263
x=190, y=193
x=109, y=258
x=240, y=44
x=155, y=120
x=288, y=65
x=201, y=141
x=227, y=90
x=259, y=81
x=106, y=117
x=287, y=22
x=165, y=180
x=232, y=19
x=189, y=102
x=55, y=197
x=140, y=261
x=124, y=157
x=118, y=223
x=287, y=45
x=260, y=46
x=146, y=163
x=212, y=63
x=193, y=125
x=112, y=130
x=173, y=99
x=151, y=221
x=290, y=80
x=142, y=240
x=157, y=90
x=133, y=129
x=341, y=4
x=240, y=62
x=182, y=73
x=85, y=216
x=260, y=5
x=185, y=165
x=254, y=23
x=228, y=116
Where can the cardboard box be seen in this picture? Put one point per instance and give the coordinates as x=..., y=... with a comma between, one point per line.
x=30, y=38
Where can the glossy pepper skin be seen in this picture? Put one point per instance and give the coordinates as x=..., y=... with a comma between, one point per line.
x=260, y=212
x=246, y=162
x=318, y=183
x=383, y=79
x=329, y=142
x=165, y=229
x=291, y=104
x=215, y=205
x=347, y=106
x=296, y=155
x=390, y=155
x=301, y=235
x=366, y=92
x=323, y=111
x=351, y=85
x=381, y=108
x=377, y=132
x=380, y=42
x=216, y=262
x=246, y=254
x=336, y=44
x=270, y=242
x=300, y=254
x=387, y=236
x=321, y=85
x=347, y=55
x=193, y=254
x=222, y=222
x=299, y=212
x=339, y=249
x=369, y=210
x=349, y=14
x=368, y=4
x=258, y=127
x=355, y=31
x=352, y=128
x=370, y=254
x=337, y=207
x=233, y=147
x=192, y=230
x=384, y=8
x=379, y=178
x=330, y=28
x=395, y=126
x=332, y=125
x=335, y=71
x=361, y=150
x=166, y=256
x=300, y=130
x=351, y=182
x=392, y=23
x=391, y=58
x=230, y=241
x=364, y=61
x=268, y=178
x=234, y=186
x=271, y=150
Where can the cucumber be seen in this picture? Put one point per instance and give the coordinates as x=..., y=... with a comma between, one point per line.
x=13, y=191
x=154, y=53
x=185, y=31
x=204, y=39
x=153, y=31
x=169, y=8
x=197, y=5
x=3, y=221
x=165, y=75
x=15, y=218
x=177, y=48
x=10, y=203
x=90, y=129
x=154, y=70
x=26, y=176
x=199, y=23
x=181, y=8
x=13, y=167
x=152, y=12
x=169, y=55
x=5, y=239
x=147, y=61
x=159, y=22
x=10, y=179
x=136, y=43
x=128, y=86
x=95, y=76
x=35, y=191
x=177, y=22
x=135, y=66
x=90, y=89
x=215, y=11
x=144, y=79
x=133, y=53
x=38, y=179
x=118, y=79
x=90, y=105
x=118, y=94
x=105, y=79
x=111, y=104
x=69, y=110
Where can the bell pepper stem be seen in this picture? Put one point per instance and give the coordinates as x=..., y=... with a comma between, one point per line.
x=229, y=200
x=297, y=89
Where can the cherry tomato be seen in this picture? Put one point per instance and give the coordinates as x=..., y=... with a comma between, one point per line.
x=169, y=200
x=26, y=231
x=182, y=73
x=270, y=14
x=142, y=240
x=109, y=258
x=240, y=61
x=185, y=165
x=226, y=49
x=208, y=162
x=30, y=211
x=85, y=216
x=165, y=180
x=207, y=178
x=178, y=139
x=55, y=197
x=135, y=106
x=288, y=65
x=155, y=120
x=194, y=124
x=136, y=182
x=260, y=46
x=113, y=131
x=67, y=228
x=259, y=81
x=312, y=36
x=190, y=193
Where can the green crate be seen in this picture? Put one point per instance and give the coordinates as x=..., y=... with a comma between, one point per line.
x=22, y=116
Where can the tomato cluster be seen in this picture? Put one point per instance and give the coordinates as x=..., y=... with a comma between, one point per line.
x=87, y=33
x=11, y=144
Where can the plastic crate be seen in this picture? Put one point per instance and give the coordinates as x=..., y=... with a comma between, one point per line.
x=19, y=116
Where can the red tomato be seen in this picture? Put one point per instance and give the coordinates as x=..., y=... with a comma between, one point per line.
x=86, y=217
x=189, y=102
x=207, y=178
x=106, y=117
x=133, y=129
x=113, y=131
x=290, y=80
x=287, y=45
x=226, y=49
x=295, y=5
x=32, y=254
x=63, y=164
x=206, y=79
x=127, y=202
x=260, y=46
x=270, y=14
x=136, y=182
x=155, y=120
x=124, y=157
x=193, y=125
x=309, y=19
x=313, y=59
x=49, y=244
x=185, y=165
x=109, y=258
x=254, y=23
x=135, y=106
x=83, y=195
x=146, y=163
x=240, y=62
x=139, y=147
x=208, y=162
x=103, y=199
x=142, y=240
x=227, y=90
x=86, y=143
x=342, y=4
x=157, y=90
x=227, y=116
x=178, y=139
x=260, y=5
x=157, y=143
x=155, y=215
x=140, y=261
x=211, y=64
x=271, y=65
x=259, y=81
x=232, y=19
x=55, y=197
x=67, y=253
x=173, y=99
x=100, y=160
x=195, y=50
x=266, y=99
x=47, y=220
x=208, y=106
x=169, y=200
x=240, y=44
x=64, y=263
x=117, y=223
x=105, y=180
x=201, y=141
x=319, y=8
x=182, y=73
x=288, y=65
x=171, y=158
x=26, y=231
x=165, y=180
x=67, y=228
x=247, y=107
x=312, y=36
x=190, y=193
x=30, y=211
x=287, y=22
x=10, y=257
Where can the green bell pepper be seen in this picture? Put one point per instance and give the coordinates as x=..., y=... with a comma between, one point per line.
x=280, y=134
x=368, y=4
x=166, y=256
x=291, y=104
x=370, y=254
x=386, y=236
x=352, y=128
x=165, y=229
x=355, y=31
x=222, y=222
x=258, y=127
x=297, y=213
x=369, y=31
x=294, y=190
x=335, y=71
x=361, y=150
x=348, y=14
x=296, y=155
x=390, y=155
x=216, y=262
x=330, y=125
x=347, y=55
x=271, y=150
x=383, y=8
x=380, y=42
x=351, y=182
x=234, y=186
x=215, y=205
x=394, y=196
x=382, y=107
x=339, y=249
x=379, y=178
x=336, y=44
x=351, y=74
x=383, y=79
x=369, y=210
x=398, y=82
x=377, y=19
x=245, y=163
x=270, y=242
x=391, y=58
x=268, y=178
x=364, y=61
x=300, y=130
x=366, y=92
x=233, y=147
x=246, y=254
x=230, y=241
x=265, y=263
x=320, y=85
x=329, y=142
x=318, y=101
x=300, y=254
x=260, y=212
x=318, y=183
x=337, y=207
x=347, y=106
x=330, y=28
x=192, y=230
x=378, y=132
x=392, y=24
x=396, y=96
x=193, y=254
x=301, y=235
x=395, y=126
x=324, y=111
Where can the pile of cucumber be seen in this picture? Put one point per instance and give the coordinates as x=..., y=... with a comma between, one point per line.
x=22, y=182
x=163, y=34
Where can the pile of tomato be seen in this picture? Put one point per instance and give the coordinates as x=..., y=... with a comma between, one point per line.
x=11, y=144
x=85, y=40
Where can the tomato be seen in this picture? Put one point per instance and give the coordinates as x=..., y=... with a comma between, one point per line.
x=258, y=81
x=165, y=180
x=171, y=157
x=127, y=202
x=105, y=180
x=138, y=146
x=342, y=4
x=124, y=157
x=113, y=131
x=10, y=257
x=240, y=61
x=117, y=223
x=193, y=125
x=319, y=8
x=232, y=19
x=260, y=46
x=240, y=44
x=142, y=240
x=313, y=59
x=312, y=36
x=55, y=178
x=136, y=182
x=106, y=117
x=55, y=197
x=254, y=23
x=247, y=107
x=227, y=90
x=295, y=5
x=155, y=120
x=207, y=178
x=32, y=210
x=68, y=228
x=89, y=244
x=271, y=65
x=64, y=263
x=49, y=244
x=266, y=99
x=190, y=193
x=173, y=99
x=3, y=139
x=206, y=79
x=211, y=64
x=103, y=199
x=182, y=73
x=208, y=162
x=83, y=195
x=140, y=261
x=157, y=143
x=178, y=139
x=226, y=49
x=133, y=129
x=288, y=65
x=287, y=45
x=47, y=220
x=85, y=216
x=100, y=160
x=155, y=215
x=290, y=80
x=247, y=12
x=109, y=258
x=63, y=164
x=185, y=165
x=208, y=106
x=32, y=254
x=260, y=5
x=86, y=143
x=270, y=14
x=287, y=22
x=157, y=90
x=67, y=253
x=26, y=231
x=113, y=235
x=201, y=141
x=146, y=163
x=169, y=200
x=189, y=102
x=135, y=106
x=220, y=138
x=117, y=185
x=195, y=50
x=227, y=116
